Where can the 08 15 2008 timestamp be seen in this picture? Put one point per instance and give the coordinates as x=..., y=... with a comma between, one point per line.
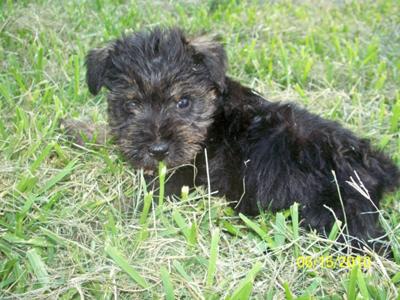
x=333, y=262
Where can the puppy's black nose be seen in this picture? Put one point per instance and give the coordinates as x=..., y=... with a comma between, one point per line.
x=159, y=150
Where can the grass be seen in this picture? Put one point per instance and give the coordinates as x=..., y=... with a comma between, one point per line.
x=78, y=223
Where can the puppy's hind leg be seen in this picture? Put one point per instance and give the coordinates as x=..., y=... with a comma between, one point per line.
x=363, y=224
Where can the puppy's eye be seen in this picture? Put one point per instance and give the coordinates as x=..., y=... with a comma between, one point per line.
x=183, y=103
x=130, y=106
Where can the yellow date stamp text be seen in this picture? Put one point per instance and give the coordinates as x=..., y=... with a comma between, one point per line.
x=333, y=262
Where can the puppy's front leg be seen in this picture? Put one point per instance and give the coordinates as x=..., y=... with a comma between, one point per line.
x=81, y=132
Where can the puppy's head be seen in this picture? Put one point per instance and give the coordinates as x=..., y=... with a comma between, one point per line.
x=163, y=93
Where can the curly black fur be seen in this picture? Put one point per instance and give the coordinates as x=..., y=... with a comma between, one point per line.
x=267, y=155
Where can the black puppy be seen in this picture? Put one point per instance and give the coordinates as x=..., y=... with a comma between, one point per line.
x=170, y=99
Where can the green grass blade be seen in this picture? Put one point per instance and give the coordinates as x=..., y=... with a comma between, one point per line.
x=65, y=242
x=362, y=284
x=121, y=261
x=76, y=75
x=54, y=237
x=212, y=262
x=288, y=293
x=304, y=297
x=46, y=151
x=245, y=287
x=257, y=229
x=167, y=283
x=270, y=294
x=294, y=213
x=180, y=221
x=229, y=227
x=192, y=238
x=243, y=292
x=162, y=171
x=38, y=267
x=396, y=278
x=6, y=93
x=27, y=205
x=335, y=230
x=39, y=64
x=181, y=270
x=3, y=130
x=279, y=229
x=143, y=183
x=148, y=199
x=351, y=286
x=395, y=119
x=110, y=226
x=58, y=177
x=26, y=184
x=7, y=250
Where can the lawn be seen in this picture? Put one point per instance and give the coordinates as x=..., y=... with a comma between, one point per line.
x=77, y=222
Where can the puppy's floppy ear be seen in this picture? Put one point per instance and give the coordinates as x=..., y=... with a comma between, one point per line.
x=96, y=64
x=212, y=54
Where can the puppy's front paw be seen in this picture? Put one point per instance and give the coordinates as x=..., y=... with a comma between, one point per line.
x=81, y=132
